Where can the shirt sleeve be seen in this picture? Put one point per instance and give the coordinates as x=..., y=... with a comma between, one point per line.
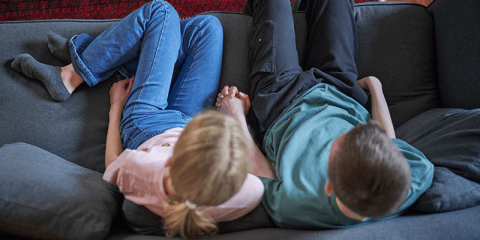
x=421, y=169
x=139, y=176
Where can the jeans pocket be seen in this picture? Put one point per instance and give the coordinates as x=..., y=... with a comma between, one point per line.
x=262, y=48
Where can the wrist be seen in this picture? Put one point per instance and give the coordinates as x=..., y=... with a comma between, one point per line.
x=115, y=107
x=115, y=112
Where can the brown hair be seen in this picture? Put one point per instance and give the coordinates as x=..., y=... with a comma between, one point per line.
x=209, y=165
x=368, y=173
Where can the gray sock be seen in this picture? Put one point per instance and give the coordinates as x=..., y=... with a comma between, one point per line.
x=49, y=75
x=58, y=46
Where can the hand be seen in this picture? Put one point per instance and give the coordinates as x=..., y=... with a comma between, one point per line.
x=233, y=92
x=232, y=102
x=120, y=91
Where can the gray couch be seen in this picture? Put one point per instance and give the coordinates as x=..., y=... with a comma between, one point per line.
x=428, y=59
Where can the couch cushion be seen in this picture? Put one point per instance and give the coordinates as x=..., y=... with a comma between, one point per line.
x=75, y=129
x=450, y=138
x=44, y=196
x=457, y=34
x=449, y=192
x=396, y=43
x=143, y=221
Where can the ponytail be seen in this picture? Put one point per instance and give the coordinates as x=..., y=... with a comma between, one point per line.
x=181, y=220
x=209, y=164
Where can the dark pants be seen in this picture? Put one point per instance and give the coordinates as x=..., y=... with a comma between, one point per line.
x=331, y=51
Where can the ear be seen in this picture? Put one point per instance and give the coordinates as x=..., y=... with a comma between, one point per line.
x=328, y=188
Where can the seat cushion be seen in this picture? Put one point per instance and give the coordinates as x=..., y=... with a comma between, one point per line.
x=76, y=129
x=46, y=197
x=143, y=221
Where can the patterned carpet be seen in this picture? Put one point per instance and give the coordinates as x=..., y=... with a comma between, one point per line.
x=13, y=10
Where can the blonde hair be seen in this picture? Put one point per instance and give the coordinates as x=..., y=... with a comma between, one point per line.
x=210, y=162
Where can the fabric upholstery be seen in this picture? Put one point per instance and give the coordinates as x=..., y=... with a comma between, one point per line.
x=44, y=196
x=395, y=44
x=449, y=192
x=235, y=66
x=75, y=130
x=450, y=138
x=143, y=221
x=457, y=35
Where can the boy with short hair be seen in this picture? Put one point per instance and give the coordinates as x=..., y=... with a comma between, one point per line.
x=334, y=167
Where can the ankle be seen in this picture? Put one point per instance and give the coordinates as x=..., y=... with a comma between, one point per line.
x=70, y=78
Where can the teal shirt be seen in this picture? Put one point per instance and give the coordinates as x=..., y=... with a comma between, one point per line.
x=299, y=143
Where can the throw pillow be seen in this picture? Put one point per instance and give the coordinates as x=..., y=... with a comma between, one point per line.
x=450, y=138
x=46, y=197
x=449, y=192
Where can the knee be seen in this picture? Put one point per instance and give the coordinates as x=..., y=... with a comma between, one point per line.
x=210, y=25
x=163, y=8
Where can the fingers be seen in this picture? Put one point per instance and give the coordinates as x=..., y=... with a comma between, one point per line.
x=233, y=91
x=246, y=99
x=130, y=85
x=225, y=91
x=243, y=96
x=219, y=99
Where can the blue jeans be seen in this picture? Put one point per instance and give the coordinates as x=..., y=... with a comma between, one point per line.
x=150, y=43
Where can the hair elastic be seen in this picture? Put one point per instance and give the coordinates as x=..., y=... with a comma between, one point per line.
x=190, y=205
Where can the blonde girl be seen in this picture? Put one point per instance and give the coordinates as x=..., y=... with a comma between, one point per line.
x=193, y=177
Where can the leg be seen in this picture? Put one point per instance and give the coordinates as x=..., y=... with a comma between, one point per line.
x=95, y=60
x=137, y=34
x=200, y=56
x=154, y=43
x=275, y=67
x=332, y=45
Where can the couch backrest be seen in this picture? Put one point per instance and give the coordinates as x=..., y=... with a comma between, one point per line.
x=457, y=34
x=396, y=44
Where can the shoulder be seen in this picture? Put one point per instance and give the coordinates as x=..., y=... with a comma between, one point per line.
x=416, y=159
x=244, y=201
x=132, y=164
x=422, y=171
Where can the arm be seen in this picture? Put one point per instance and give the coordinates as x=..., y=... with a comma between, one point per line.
x=380, y=112
x=118, y=95
x=236, y=104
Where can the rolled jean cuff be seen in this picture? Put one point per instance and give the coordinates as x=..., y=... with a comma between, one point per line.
x=77, y=45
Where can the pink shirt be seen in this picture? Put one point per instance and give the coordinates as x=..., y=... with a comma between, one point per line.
x=139, y=176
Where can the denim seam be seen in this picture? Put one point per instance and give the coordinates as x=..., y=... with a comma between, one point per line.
x=130, y=139
x=194, y=53
x=150, y=71
x=89, y=78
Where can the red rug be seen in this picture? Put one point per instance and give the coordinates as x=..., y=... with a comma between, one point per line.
x=13, y=10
